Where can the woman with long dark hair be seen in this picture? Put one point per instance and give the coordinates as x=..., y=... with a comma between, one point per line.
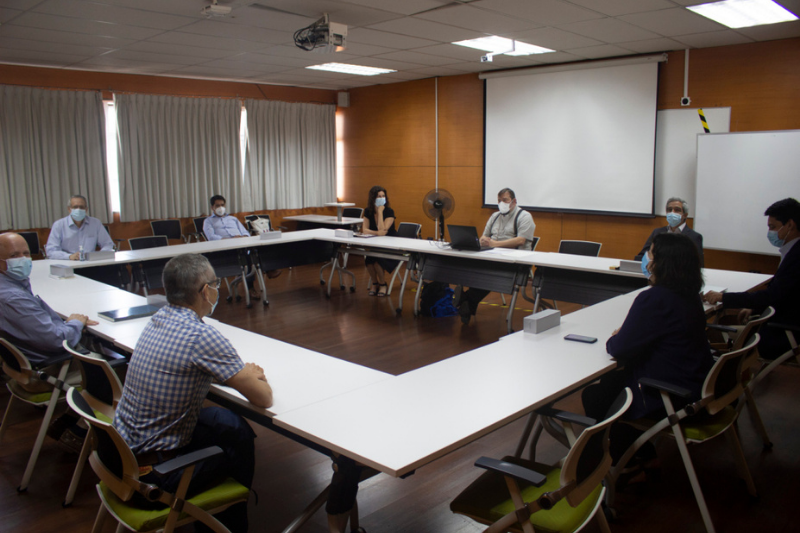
x=378, y=220
x=663, y=337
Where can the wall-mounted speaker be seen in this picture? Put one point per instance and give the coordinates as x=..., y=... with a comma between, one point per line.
x=344, y=99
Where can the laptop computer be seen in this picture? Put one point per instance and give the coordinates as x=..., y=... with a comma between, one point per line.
x=465, y=238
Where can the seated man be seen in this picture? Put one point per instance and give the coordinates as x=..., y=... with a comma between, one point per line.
x=783, y=292
x=26, y=320
x=510, y=227
x=161, y=412
x=221, y=225
x=677, y=211
x=78, y=229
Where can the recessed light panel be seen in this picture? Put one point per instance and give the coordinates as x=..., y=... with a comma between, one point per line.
x=501, y=45
x=358, y=70
x=744, y=13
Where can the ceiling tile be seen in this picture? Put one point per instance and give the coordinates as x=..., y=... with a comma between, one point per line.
x=662, y=44
x=406, y=7
x=713, y=38
x=187, y=8
x=189, y=51
x=90, y=27
x=543, y=12
x=610, y=30
x=40, y=46
x=22, y=5
x=268, y=18
x=426, y=29
x=340, y=12
x=62, y=37
x=783, y=30
x=8, y=14
x=361, y=49
x=596, y=52
x=151, y=57
x=93, y=11
x=452, y=51
x=416, y=57
x=206, y=41
x=126, y=65
x=558, y=57
x=436, y=71
x=615, y=8
x=219, y=71
x=481, y=20
x=220, y=28
x=290, y=50
x=392, y=40
x=38, y=57
x=276, y=60
x=242, y=66
x=384, y=63
x=671, y=22
x=555, y=39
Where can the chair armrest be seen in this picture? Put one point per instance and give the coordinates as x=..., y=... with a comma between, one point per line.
x=666, y=387
x=720, y=327
x=566, y=416
x=181, y=462
x=55, y=360
x=510, y=469
x=790, y=327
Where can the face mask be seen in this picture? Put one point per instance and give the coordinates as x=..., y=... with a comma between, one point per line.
x=504, y=207
x=674, y=219
x=78, y=214
x=380, y=201
x=774, y=240
x=645, y=262
x=220, y=211
x=214, y=305
x=19, y=268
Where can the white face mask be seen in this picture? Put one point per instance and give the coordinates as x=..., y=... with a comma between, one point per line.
x=220, y=211
x=214, y=305
x=504, y=207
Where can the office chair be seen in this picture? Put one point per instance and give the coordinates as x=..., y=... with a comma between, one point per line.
x=32, y=238
x=198, y=229
x=148, y=273
x=353, y=212
x=714, y=414
x=102, y=390
x=170, y=228
x=250, y=218
x=588, y=248
x=408, y=230
x=116, y=466
x=22, y=372
x=117, y=242
x=516, y=494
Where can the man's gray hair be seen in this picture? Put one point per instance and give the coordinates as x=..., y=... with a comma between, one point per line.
x=684, y=205
x=509, y=191
x=85, y=201
x=184, y=276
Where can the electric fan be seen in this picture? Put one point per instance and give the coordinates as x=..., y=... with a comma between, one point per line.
x=439, y=204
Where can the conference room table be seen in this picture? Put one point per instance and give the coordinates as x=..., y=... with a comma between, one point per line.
x=391, y=424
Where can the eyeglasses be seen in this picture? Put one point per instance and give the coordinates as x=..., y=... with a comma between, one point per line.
x=214, y=283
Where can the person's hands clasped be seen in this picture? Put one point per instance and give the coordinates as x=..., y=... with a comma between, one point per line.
x=83, y=319
x=712, y=297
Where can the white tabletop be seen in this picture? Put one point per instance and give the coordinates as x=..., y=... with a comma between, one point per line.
x=339, y=204
x=325, y=219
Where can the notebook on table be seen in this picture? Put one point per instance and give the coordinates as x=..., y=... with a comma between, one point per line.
x=129, y=313
x=465, y=238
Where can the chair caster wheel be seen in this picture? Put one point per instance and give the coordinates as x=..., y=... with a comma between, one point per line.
x=238, y=298
x=249, y=306
x=65, y=505
x=266, y=304
x=768, y=446
x=341, y=287
x=21, y=490
x=321, y=282
x=353, y=288
x=229, y=299
x=398, y=311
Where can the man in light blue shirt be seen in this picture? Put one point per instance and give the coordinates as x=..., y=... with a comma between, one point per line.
x=221, y=225
x=78, y=229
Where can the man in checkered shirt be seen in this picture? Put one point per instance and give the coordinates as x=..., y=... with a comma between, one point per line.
x=175, y=361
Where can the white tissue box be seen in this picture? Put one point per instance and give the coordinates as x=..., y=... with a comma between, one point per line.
x=343, y=233
x=542, y=321
x=61, y=271
x=270, y=235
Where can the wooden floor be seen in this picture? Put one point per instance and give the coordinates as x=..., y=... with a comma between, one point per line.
x=365, y=330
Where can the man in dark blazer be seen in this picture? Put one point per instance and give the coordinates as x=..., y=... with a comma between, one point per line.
x=677, y=211
x=783, y=292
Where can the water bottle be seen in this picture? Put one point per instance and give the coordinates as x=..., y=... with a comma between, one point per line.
x=81, y=254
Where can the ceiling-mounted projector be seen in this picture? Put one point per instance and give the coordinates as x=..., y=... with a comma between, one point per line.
x=215, y=10
x=322, y=36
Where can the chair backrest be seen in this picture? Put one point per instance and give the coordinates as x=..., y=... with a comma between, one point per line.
x=353, y=212
x=170, y=228
x=198, y=226
x=100, y=385
x=752, y=327
x=15, y=364
x=723, y=384
x=588, y=248
x=409, y=230
x=534, y=243
x=32, y=238
x=111, y=459
x=140, y=243
x=589, y=459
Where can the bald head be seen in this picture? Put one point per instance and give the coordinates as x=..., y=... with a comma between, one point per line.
x=13, y=245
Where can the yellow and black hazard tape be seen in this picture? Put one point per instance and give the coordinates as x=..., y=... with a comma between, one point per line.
x=703, y=120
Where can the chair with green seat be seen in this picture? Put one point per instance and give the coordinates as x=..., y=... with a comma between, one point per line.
x=116, y=466
x=102, y=390
x=18, y=367
x=521, y=495
x=714, y=414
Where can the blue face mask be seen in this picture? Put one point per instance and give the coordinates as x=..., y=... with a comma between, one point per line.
x=774, y=240
x=19, y=268
x=674, y=219
x=645, y=262
x=380, y=201
x=78, y=214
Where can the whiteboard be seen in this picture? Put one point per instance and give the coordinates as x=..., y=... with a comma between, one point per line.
x=676, y=152
x=739, y=175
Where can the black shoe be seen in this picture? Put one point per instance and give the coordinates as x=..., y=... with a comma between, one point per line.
x=465, y=312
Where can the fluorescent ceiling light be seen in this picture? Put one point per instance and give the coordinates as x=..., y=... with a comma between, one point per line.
x=351, y=69
x=744, y=13
x=501, y=45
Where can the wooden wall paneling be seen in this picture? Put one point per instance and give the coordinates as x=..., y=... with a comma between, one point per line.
x=622, y=237
x=461, y=122
x=548, y=229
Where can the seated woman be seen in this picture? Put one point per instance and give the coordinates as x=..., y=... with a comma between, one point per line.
x=663, y=337
x=378, y=220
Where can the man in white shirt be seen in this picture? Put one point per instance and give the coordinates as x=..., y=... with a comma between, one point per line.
x=75, y=231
